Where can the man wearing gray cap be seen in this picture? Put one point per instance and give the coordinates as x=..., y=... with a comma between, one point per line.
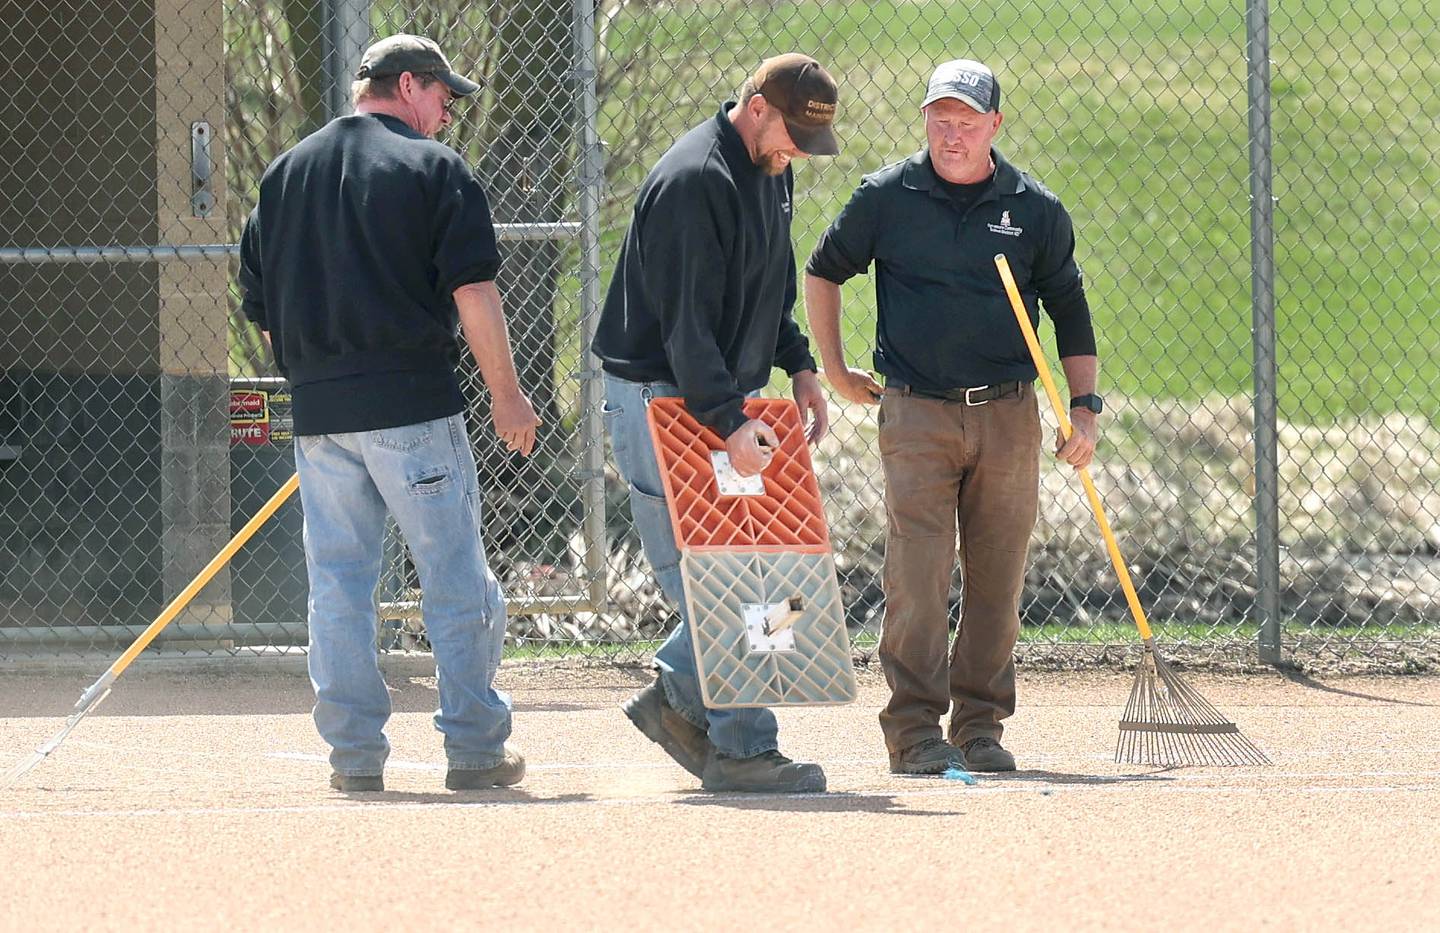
x=369, y=243
x=959, y=424
x=701, y=308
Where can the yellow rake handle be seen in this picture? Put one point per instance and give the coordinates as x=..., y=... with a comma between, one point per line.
x=1038, y=356
x=196, y=585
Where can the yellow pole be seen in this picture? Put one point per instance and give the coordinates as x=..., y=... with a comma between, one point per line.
x=196, y=585
x=96, y=693
x=1026, y=328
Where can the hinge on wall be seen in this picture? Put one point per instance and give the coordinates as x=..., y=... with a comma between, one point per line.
x=202, y=197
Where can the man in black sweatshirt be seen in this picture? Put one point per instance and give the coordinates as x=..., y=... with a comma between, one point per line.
x=701, y=307
x=369, y=241
x=959, y=426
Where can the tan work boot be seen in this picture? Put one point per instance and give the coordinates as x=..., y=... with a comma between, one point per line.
x=357, y=783
x=765, y=773
x=986, y=754
x=928, y=756
x=511, y=770
x=682, y=740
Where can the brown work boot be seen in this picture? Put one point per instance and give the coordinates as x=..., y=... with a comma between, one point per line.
x=765, y=773
x=682, y=740
x=357, y=783
x=510, y=770
x=928, y=756
x=986, y=754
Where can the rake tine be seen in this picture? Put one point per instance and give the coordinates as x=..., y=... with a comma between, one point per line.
x=93, y=696
x=1167, y=722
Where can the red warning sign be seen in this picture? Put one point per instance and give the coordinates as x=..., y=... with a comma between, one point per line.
x=247, y=406
x=252, y=434
x=249, y=417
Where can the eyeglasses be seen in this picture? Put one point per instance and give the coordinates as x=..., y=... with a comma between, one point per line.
x=450, y=99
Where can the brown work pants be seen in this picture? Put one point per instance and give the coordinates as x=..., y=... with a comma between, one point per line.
x=978, y=466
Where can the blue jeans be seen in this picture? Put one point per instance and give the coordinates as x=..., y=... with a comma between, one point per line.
x=738, y=733
x=424, y=475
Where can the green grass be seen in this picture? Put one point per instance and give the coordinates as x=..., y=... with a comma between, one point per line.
x=1136, y=115
x=1105, y=633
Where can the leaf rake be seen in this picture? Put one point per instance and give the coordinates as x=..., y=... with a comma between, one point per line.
x=96, y=693
x=1166, y=721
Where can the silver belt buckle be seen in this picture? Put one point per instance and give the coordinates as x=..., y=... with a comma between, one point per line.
x=971, y=404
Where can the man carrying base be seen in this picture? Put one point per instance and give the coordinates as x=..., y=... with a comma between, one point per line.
x=701, y=307
x=368, y=241
x=959, y=426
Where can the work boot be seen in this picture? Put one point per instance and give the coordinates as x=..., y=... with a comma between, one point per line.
x=357, y=783
x=510, y=770
x=682, y=740
x=765, y=773
x=928, y=756
x=985, y=754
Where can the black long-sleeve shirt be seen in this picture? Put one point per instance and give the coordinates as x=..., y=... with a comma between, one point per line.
x=944, y=321
x=361, y=234
x=704, y=290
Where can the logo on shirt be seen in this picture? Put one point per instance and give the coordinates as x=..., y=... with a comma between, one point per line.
x=785, y=204
x=1003, y=227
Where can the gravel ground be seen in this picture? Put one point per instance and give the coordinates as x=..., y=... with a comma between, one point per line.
x=196, y=798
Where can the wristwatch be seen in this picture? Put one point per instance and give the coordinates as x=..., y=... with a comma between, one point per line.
x=1091, y=402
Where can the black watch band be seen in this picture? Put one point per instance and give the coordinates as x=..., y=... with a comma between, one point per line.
x=1091, y=402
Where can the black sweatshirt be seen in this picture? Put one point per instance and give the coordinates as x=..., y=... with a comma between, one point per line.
x=361, y=233
x=943, y=319
x=705, y=286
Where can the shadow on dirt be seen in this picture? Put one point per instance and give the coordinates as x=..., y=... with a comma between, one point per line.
x=1300, y=678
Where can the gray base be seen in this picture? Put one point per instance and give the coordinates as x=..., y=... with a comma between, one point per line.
x=733, y=673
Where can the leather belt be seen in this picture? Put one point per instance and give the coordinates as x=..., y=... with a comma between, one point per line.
x=975, y=395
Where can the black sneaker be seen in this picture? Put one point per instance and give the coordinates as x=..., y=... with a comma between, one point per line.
x=986, y=754
x=682, y=740
x=929, y=756
x=511, y=770
x=357, y=783
x=765, y=773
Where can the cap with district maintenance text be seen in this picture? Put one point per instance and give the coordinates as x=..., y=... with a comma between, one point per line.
x=806, y=95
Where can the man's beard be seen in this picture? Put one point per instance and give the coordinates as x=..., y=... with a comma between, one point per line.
x=772, y=164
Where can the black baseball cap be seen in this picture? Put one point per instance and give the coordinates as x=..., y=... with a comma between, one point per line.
x=415, y=54
x=805, y=95
x=967, y=81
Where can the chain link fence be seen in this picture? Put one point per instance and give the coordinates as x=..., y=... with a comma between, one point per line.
x=141, y=423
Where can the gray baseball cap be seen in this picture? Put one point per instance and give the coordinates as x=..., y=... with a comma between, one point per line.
x=967, y=81
x=415, y=54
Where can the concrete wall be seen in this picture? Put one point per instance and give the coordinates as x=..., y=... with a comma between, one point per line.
x=112, y=375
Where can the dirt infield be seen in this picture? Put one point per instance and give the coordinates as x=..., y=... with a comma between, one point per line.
x=197, y=799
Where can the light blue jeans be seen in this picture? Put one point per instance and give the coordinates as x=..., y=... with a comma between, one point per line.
x=738, y=733
x=424, y=475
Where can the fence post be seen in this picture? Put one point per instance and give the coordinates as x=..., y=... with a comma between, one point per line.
x=347, y=31
x=592, y=180
x=1262, y=303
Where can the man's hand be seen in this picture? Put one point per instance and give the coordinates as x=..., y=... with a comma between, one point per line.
x=515, y=421
x=856, y=385
x=1085, y=433
x=811, y=400
x=747, y=455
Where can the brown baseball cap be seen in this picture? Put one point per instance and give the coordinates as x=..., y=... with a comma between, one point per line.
x=805, y=95
x=416, y=54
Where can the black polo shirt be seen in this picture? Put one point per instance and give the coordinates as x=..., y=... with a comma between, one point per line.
x=944, y=321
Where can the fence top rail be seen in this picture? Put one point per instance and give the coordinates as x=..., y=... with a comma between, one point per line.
x=43, y=255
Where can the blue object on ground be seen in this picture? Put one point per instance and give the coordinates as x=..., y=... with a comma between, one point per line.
x=959, y=774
